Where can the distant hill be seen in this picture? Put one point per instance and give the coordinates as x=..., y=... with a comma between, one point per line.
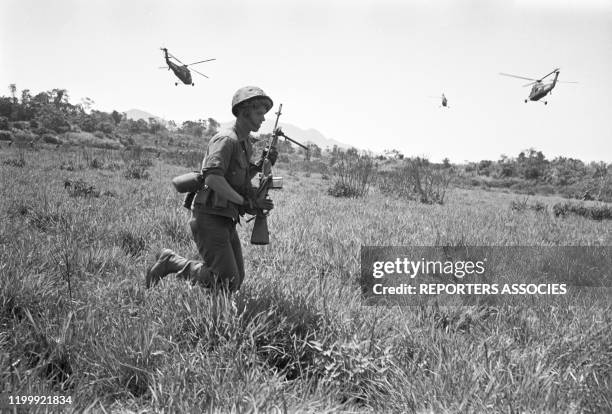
x=137, y=114
x=301, y=135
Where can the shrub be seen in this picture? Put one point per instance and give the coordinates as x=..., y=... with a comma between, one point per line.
x=106, y=127
x=95, y=164
x=20, y=125
x=353, y=173
x=4, y=125
x=70, y=166
x=538, y=207
x=16, y=162
x=343, y=190
x=597, y=212
x=80, y=188
x=51, y=139
x=135, y=171
x=518, y=205
x=417, y=180
x=6, y=136
x=522, y=205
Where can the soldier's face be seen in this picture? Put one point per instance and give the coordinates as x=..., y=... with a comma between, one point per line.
x=255, y=117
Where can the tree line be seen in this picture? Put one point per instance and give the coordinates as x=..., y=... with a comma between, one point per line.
x=51, y=112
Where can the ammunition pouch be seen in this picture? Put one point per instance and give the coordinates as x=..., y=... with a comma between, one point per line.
x=188, y=183
x=189, y=200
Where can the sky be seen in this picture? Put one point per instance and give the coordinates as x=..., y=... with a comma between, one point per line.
x=363, y=72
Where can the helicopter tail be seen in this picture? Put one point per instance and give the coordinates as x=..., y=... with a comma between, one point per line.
x=555, y=79
x=165, y=52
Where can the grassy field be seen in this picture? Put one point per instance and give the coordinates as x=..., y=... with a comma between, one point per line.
x=79, y=227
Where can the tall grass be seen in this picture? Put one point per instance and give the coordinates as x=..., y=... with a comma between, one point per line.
x=77, y=321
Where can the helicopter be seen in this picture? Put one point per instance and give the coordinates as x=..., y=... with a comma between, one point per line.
x=444, y=101
x=181, y=71
x=540, y=89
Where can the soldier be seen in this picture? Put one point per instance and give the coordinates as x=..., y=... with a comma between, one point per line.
x=226, y=196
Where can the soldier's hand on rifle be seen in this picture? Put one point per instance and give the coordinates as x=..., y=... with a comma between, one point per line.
x=272, y=157
x=265, y=204
x=251, y=205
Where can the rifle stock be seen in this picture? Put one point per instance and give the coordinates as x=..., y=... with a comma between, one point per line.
x=261, y=234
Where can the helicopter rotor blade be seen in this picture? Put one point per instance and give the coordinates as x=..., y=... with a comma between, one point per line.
x=163, y=67
x=530, y=83
x=202, y=61
x=545, y=76
x=560, y=81
x=520, y=77
x=199, y=73
x=175, y=58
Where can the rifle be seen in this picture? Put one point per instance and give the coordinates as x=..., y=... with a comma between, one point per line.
x=261, y=234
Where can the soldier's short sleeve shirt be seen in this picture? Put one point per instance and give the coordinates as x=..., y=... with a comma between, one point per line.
x=227, y=156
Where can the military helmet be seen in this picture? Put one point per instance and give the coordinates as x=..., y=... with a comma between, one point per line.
x=246, y=93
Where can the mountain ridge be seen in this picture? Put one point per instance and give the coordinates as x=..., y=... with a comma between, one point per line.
x=298, y=134
x=137, y=114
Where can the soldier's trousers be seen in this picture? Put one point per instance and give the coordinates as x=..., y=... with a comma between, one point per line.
x=219, y=245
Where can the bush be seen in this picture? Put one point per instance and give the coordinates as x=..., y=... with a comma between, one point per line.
x=51, y=139
x=105, y=127
x=522, y=205
x=6, y=136
x=42, y=131
x=16, y=162
x=4, y=125
x=598, y=212
x=353, y=173
x=80, y=188
x=343, y=190
x=135, y=171
x=417, y=180
x=20, y=125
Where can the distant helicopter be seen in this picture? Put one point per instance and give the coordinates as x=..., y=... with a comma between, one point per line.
x=540, y=89
x=444, y=101
x=181, y=70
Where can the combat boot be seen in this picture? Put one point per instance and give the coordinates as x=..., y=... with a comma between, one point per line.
x=167, y=262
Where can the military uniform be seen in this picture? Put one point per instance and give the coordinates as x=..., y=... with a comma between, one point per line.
x=214, y=219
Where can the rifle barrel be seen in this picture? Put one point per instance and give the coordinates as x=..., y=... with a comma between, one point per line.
x=294, y=141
